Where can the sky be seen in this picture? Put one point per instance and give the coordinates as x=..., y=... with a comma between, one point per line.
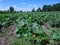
x=25, y=5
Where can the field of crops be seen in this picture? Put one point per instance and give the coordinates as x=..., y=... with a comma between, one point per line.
x=34, y=28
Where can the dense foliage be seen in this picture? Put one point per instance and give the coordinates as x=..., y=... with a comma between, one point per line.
x=54, y=7
x=29, y=26
x=11, y=9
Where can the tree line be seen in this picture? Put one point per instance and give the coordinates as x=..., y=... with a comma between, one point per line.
x=45, y=8
x=54, y=7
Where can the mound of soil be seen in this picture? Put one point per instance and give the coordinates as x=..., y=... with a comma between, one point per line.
x=10, y=35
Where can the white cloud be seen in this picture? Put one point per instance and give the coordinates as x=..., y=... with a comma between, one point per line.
x=27, y=7
x=1, y=7
x=23, y=9
x=23, y=3
x=14, y=6
x=32, y=5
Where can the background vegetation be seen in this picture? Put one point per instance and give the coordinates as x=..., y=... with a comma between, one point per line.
x=38, y=27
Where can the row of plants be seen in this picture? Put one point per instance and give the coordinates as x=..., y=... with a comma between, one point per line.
x=6, y=20
x=51, y=17
x=29, y=26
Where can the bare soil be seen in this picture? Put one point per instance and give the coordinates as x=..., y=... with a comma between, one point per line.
x=10, y=35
